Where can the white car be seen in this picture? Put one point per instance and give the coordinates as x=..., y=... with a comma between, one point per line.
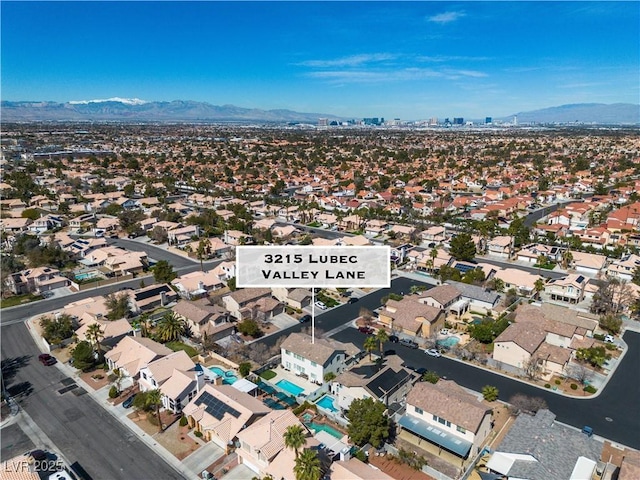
x=320, y=305
x=433, y=352
x=609, y=338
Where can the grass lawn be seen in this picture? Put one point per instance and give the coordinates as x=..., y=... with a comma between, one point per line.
x=268, y=374
x=19, y=300
x=175, y=346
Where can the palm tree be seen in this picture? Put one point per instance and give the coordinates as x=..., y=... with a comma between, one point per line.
x=294, y=438
x=490, y=393
x=538, y=286
x=154, y=400
x=382, y=336
x=94, y=335
x=433, y=254
x=498, y=284
x=170, y=327
x=203, y=246
x=308, y=466
x=567, y=259
x=370, y=344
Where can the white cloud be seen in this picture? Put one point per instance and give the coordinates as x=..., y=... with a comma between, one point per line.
x=446, y=17
x=402, y=75
x=350, y=61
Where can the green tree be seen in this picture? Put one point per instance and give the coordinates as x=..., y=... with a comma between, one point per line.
x=56, y=329
x=82, y=355
x=94, y=335
x=231, y=283
x=308, y=466
x=611, y=322
x=431, y=377
x=449, y=273
x=163, y=272
x=370, y=344
x=462, y=247
x=368, y=422
x=244, y=368
x=117, y=306
x=382, y=336
x=30, y=213
x=294, y=438
x=498, y=284
x=490, y=393
x=595, y=356
x=538, y=287
x=204, y=247
x=154, y=400
x=170, y=327
x=250, y=327
x=474, y=277
x=140, y=401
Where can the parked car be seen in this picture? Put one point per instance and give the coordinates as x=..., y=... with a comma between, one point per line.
x=320, y=305
x=609, y=338
x=394, y=338
x=47, y=359
x=114, y=235
x=38, y=455
x=433, y=352
x=389, y=352
x=128, y=403
x=305, y=319
x=365, y=329
x=408, y=343
x=353, y=300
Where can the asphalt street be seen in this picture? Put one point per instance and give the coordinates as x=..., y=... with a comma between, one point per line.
x=80, y=428
x=532, y=270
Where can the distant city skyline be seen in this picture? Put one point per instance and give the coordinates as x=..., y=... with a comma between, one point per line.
x=408, y=60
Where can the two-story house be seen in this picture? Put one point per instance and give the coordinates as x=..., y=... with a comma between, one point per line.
x=444, y=297
x=221, y=412
x=176, y=377
x=38, y=280
x=315, y=360
x=237, y=302
x=411, y=317
x=197, y=284
x=569, y=289
x=445, y=415
x=201, y=317
x=501, y=246
x=131, y=354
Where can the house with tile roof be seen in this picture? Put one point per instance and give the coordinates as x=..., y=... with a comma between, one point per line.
x=131, y=354
x=197, y=284
x=389, y=384
x=221, y=412
x=261, y=442
x=536, y=447
x=238, y=301
x=624, y=268
x=354, y=469
x=570, y=289
x=176, y=377
x=315, y=360
x=201, y=317
x=479, y=299
x=411, y=317
x=38, y=280
x=501, y=246
x=446, y=415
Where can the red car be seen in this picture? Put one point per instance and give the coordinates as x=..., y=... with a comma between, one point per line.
x=46, y=359
x=365, y=329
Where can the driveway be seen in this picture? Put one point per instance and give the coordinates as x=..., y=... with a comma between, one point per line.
x=199, y=460
x=283, y=321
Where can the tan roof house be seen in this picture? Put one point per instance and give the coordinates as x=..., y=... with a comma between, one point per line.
x=354, y=469
x=411, y=317
x=133, y=353
x=221, y=412
x=238, y=300
x=200, y=316
x=175, y=376
x=197, y=284
x=447, y=416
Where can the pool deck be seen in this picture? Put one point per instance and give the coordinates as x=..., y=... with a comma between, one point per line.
x=281, y=374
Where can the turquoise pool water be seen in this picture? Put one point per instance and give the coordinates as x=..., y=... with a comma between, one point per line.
x=448, y=342
x=86, y=275
x=229, y=377
x=326, y=402
x=292, y=388
x=325, y=428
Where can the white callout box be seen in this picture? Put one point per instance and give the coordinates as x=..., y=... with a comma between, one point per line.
x=313, y=266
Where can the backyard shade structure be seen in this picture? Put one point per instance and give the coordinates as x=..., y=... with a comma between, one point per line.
x=266, y=388
x=244, y=385
x=286, y=399
x=271, y=403
x=435, y=435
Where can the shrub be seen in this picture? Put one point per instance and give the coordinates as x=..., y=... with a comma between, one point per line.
x=547, y=385
x=183, y=421
x=590, y=389
x=558, y=381
x=268, y=374
x=611, y=346
x=244, y=368
x=198, y=433
x=113, y=392
x=598, y=336
x=360, y=455
x=574, y=386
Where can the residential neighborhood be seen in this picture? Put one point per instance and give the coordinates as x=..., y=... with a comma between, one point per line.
x=121, y=265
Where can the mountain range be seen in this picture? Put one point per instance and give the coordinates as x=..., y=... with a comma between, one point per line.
x=135, y=110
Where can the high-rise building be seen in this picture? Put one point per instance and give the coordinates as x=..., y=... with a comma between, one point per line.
x=433, y=121
x=323, y=122
x=488, y=120
x=458, y=121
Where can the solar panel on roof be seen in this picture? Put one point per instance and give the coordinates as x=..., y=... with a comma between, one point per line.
x=216, y=407
x=464, y=268
x=580, y=279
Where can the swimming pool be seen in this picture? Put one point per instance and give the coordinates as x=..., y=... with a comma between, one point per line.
x=326, y=402
x=292, y=388
x=448, y=342
x=319, y=427
x=87, y=275
x=229, y=377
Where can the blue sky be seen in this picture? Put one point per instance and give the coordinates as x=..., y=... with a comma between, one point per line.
x=410, y=60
